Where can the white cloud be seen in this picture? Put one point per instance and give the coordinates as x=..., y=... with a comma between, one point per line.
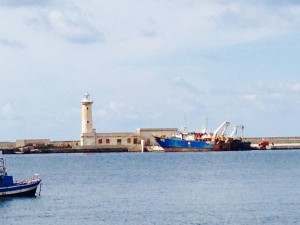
x=115, y=106
x=180, y=82
x=295, y=87
x=72, y=27
x=7, y=112
x=11, y=43
x=251, y=97
x=25, y=3
x=100, y=113
x=278, y=89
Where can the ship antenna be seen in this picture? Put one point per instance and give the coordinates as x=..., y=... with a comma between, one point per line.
x=205, y=126
x=184, y=124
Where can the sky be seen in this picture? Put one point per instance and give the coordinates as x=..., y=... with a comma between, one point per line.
x=149, y=64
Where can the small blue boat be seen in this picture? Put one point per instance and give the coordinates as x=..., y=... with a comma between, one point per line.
x=9, y=188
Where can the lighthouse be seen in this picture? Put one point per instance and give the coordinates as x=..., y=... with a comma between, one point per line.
x=87, y=130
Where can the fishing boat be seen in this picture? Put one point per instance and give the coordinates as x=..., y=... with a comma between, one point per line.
x=9, y=188
x=204, y=140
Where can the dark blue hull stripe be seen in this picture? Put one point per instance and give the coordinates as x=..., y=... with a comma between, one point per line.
x=18, y=187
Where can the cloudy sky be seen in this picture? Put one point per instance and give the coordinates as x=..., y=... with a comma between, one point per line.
x=150, y=63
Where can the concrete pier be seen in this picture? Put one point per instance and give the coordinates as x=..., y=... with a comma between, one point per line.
x=275, y=142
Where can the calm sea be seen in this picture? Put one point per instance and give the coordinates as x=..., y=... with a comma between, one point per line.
x=257, y=187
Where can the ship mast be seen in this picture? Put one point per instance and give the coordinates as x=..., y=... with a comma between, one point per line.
x=2, y=167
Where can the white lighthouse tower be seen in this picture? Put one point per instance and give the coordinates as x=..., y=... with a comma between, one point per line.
x=87, y=130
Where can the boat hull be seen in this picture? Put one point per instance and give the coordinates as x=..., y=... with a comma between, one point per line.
x=179, y=145
x=187, y=149
x=22, y=189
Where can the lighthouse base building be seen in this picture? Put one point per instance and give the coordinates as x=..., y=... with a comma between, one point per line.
x=132, y=141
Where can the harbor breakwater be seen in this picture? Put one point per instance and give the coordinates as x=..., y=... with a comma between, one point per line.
x=275, y=143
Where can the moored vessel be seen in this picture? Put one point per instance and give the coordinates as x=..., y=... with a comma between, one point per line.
x=205, y=141
x=9, y=188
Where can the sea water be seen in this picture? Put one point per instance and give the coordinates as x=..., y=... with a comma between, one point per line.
x=249, y=187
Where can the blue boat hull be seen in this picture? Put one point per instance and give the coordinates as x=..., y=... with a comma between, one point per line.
x=178, y=145
x=23, y=189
